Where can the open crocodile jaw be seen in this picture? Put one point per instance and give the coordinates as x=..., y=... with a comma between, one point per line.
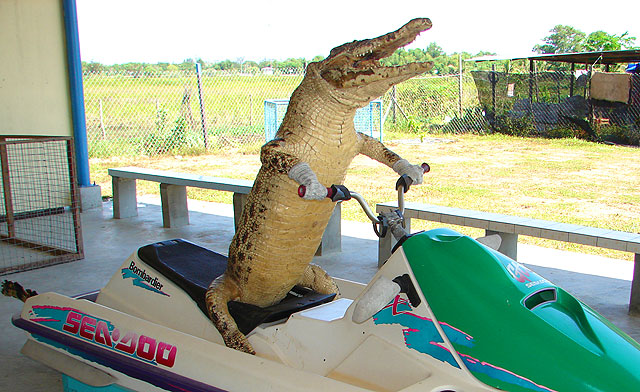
x=356, y=67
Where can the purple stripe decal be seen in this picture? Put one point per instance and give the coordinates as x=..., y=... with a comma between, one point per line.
x=129, y=366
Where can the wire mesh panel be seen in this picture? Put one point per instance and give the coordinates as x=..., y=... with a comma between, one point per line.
x=368, y=119
x=274, y=111
x=39, y=211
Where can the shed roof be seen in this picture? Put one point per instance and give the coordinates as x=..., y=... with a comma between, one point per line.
x=600, y=57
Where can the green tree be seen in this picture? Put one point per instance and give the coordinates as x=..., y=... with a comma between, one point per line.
x=151, y=70
x=290, y=65
x=93, y=67
x=226, y=65
x=563, y=39
x=187, y=65
x=600, y=40
x=434, y=50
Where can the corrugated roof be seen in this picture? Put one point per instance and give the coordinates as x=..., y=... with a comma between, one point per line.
x=603, y=57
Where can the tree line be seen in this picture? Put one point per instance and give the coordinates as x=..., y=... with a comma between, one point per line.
x=568, y=39
x=562, y=39
x=444, y=64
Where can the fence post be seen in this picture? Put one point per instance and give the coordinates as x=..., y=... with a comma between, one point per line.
x=393, y=103
x=494, y=81
x=530, y=86
x=202, y=115
x=571, y=78
x=460, y=85
x=6, y=187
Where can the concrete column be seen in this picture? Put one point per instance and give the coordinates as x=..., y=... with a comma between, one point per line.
x=90, y=197
x=125, y=204
x=174, y=205
x=509, y=245
x=634, y=301
x=332, y=236
x=239, y=201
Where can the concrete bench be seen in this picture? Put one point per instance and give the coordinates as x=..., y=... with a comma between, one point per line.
x=173, y=198
x=509, y=227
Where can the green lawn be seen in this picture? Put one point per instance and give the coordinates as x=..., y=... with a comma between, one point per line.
x=563, y=180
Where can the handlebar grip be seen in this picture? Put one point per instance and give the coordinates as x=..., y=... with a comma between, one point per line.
x=335, y=192
x=405, y=181
x=302, y=190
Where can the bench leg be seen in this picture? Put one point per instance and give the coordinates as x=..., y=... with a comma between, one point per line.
x=239, y=200
x=509, y=245
x=634, y=301
x=174, y=205
x=125, y=204
x=386, y=244
x=332, y=236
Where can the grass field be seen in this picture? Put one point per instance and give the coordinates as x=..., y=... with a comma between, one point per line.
x=563, y=180
x=122, y=112
x=129, y=115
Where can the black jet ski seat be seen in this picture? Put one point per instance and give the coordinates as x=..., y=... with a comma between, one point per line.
x=193, y=268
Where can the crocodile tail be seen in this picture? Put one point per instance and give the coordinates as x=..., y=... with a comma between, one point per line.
x=15, y=290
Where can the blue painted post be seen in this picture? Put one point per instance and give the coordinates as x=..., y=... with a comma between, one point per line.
x=380, y=119
x=371, y=106
x=77, y=92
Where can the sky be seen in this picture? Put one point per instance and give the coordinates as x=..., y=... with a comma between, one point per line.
x=120, y=31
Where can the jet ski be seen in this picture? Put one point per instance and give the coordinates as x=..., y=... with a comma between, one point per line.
x=445, y=313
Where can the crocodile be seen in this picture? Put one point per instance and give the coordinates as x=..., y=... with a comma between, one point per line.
x=279, y=232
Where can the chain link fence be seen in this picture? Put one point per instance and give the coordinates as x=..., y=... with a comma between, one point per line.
x=131, y=114
x=434, y=104
x=603, y=107
x=192, y=112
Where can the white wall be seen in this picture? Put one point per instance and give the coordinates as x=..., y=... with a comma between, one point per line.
x=34, y=87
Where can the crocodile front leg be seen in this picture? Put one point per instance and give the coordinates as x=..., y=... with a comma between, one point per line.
x=374, y=149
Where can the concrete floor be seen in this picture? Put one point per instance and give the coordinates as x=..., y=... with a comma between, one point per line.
x=604, y=284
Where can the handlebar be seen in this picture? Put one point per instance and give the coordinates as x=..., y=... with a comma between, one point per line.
x=341, y=193
x=404, y=183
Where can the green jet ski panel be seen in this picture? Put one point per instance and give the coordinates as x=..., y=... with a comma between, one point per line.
x=522, y=333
